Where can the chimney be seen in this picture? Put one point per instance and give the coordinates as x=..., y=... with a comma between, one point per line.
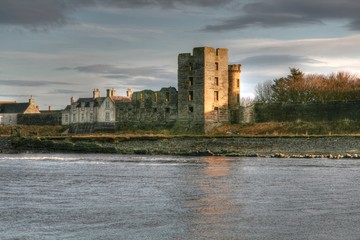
x=129, y=92
x=108, y=93
x=112, y=92
x=96, y=93
x=31, y=101
x=49, y=108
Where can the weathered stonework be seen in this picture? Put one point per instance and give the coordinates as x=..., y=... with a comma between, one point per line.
x=207, y=92
x=148, y=109
x=207, y=96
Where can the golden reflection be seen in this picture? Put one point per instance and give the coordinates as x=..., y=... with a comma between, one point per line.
x=217, y=166
x=216, y=203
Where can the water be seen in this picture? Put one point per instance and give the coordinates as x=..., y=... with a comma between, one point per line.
x=64, y=196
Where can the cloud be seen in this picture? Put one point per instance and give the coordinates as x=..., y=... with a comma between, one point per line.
x=115, y=72
x=66, y=91
x=29, y=83
x=275, y=60
x=280, y=13
x=42, y=14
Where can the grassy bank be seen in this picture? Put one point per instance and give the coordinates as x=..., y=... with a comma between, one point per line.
x=345, y=127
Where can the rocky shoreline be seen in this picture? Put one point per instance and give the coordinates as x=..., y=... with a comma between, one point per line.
x=281, y=147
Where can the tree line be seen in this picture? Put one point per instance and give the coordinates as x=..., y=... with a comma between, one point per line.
x=299, y=87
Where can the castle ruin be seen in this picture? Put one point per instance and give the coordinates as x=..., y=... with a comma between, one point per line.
x=208, y=95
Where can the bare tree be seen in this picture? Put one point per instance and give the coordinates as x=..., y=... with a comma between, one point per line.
x=264, y=92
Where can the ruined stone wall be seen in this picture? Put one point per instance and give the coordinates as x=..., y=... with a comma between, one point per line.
x=148, y=109
x=203, y=86
x=216, y=86
x=329, y=111
x=234, y=92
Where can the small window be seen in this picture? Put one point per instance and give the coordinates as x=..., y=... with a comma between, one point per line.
x=107, y=104
x=82, y=117
x=66, y=118
x=155, y=97
x=91, y=117
x=191, y=95
x=190, y=66
x=216, y=81
x=91, y=106
x=238, y=83
x=191, y=81
x=191, y=109
x=167, y=96
x=155, y=110
x=216, y=96
x=107, y=116
x=167, y=110
x=216, y=108
x=216, y=66
x=238, y=98
x=74, y=117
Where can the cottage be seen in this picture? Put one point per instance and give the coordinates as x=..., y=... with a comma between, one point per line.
x=9, y=111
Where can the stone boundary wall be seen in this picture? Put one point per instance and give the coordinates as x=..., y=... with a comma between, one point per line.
x=47, y=119
x=310, y=112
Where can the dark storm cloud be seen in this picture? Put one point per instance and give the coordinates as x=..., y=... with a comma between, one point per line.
x=276, y=60
x=47, y=13
x=279, y=13
x=29, y=83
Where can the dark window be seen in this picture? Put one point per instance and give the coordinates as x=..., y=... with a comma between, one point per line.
x=216, y=108
x=167, y=96
x=191, y=109
x=216, y=81
x=167, y=110
x=155, y=110
x=238, y=98
x=191, y=81
x=191, y=95
x=238, y=83
x=216, y=66
x=216, y=95
x=190, y=66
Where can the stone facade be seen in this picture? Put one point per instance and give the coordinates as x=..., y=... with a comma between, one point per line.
x=91, y=111
x=208, y=89
x=148, y=109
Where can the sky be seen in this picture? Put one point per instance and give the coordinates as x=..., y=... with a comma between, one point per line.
x=55, y=49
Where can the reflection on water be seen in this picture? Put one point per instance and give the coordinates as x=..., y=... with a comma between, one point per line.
x=47, y=196
x=216, y=205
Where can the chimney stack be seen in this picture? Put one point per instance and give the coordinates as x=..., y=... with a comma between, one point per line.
x=96, y=93
x=31, y=101
x=129, y=92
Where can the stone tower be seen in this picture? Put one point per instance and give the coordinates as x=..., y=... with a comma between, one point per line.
x=234, y=92
x=203, y=88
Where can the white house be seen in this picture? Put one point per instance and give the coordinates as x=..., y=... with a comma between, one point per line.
x=95, y=110
x=10, y=110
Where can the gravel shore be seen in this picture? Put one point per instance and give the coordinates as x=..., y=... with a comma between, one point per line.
x=227, y=146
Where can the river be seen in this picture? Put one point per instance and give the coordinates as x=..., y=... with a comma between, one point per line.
x=94, y=196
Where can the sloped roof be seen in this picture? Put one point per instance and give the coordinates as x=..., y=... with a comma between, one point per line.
x=13, y=107
x=121, y=99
